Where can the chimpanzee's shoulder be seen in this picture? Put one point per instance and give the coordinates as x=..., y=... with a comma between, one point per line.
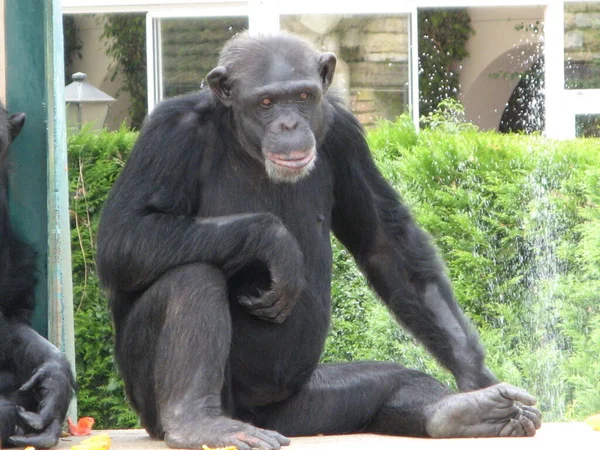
x=202, y=104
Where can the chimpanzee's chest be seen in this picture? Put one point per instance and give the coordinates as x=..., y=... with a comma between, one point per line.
x=304, y=206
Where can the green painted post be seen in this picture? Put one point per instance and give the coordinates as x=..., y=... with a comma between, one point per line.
x=39, y=188
x=27, y=91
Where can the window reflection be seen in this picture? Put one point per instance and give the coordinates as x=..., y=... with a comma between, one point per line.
x=190, y=49
x=587, y=125
x=582, y=45
x=372, y=72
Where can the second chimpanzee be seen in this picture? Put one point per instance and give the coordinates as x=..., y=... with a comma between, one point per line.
x=214, y=246
x=36, y=384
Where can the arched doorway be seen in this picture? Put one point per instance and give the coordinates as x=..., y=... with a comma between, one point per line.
x=489, y=94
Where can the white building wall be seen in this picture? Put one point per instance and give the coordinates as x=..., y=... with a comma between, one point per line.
x=95, y=64
x=496, y=47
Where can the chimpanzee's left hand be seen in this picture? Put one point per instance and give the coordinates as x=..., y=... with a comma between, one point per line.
x=52, y=387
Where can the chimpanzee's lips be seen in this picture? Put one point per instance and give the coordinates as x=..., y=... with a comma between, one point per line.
x=296, y=159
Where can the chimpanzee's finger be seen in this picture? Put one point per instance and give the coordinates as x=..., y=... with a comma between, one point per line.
x=46, y=439
x=31, y=419
x=37, y=376
x=264, y=299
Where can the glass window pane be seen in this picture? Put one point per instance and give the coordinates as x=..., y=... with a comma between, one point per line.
x=372, y=72
x=582, y=45
x=190, y=49
x=498, y=72
x=587, y=125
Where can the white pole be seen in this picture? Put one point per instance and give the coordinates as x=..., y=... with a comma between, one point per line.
x=560, y=121
x=414, y=66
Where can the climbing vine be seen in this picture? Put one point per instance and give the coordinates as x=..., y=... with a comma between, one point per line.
x=125, y=39
x=72, y=42
x=443, y=36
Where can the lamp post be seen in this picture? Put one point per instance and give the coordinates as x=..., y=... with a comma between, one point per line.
x=86, y=105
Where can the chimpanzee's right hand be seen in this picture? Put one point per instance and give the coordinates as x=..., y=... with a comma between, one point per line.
x=285, y=262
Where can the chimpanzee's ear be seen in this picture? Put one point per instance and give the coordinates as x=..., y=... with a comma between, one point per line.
x=15, y=123
x=327, y=63
x=218, y=81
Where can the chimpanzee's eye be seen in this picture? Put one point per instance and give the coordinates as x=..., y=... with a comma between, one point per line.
x=303, y=96
x=266, y=102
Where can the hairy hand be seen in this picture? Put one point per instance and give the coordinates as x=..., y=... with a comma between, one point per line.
x=51, y=384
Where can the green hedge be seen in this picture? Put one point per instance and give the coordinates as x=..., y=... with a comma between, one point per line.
x=516, y=218
x=94, y=163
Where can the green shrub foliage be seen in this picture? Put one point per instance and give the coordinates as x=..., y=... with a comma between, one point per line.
x=124, y=37
x=443, y=36
x=72, y=44
x=517, y=219
x=94, y=163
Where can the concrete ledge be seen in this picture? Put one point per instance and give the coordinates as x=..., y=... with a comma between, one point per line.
x=562, y=435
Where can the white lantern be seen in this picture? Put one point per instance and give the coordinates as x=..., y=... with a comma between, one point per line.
x=86, y=105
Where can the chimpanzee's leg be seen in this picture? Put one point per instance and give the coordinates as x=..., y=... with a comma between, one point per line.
x=388, y=398
x=172, y=351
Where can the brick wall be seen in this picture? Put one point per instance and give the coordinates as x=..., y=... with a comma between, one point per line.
x=582, y=44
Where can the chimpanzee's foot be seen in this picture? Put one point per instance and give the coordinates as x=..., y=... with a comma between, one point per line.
x=500, y=410
x=224, y=432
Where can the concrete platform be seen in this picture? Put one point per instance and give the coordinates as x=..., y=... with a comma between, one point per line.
x=552, y=435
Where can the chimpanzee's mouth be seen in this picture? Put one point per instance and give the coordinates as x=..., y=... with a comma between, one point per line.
x=296, y=159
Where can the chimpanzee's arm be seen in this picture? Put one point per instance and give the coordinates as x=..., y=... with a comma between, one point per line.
x=44, y=374
x=398, y=258
x=151, y=222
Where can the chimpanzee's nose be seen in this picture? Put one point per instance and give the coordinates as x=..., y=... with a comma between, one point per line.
x=289, y=124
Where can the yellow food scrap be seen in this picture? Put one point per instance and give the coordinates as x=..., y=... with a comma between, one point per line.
x=29, y=448
x=99, y=439
x=99, y=442
x=231, y=447
x=594, y=422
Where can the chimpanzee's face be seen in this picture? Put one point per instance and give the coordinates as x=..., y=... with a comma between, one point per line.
x=279, y=108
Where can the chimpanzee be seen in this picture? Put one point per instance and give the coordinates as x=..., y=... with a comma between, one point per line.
x=214, y=247
x=36, y=383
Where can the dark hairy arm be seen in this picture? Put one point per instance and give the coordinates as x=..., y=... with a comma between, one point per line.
x=398, y=258
x=151, y=223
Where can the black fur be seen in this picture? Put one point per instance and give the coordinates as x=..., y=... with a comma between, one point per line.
x=17, y=260
x=25, y=357
x=216, y=257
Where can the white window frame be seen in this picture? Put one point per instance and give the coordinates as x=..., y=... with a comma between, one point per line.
x=264, y=17
x=153, y=37
x=370, y=7
x=578, y=102
x=574, y=101
x=554, y=71
x=141, y=6
x=562, y=105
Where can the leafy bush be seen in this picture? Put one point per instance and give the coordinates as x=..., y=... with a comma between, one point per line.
x=517, y=219
x=94, y=163
x=443, y=36
x=125, y=40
